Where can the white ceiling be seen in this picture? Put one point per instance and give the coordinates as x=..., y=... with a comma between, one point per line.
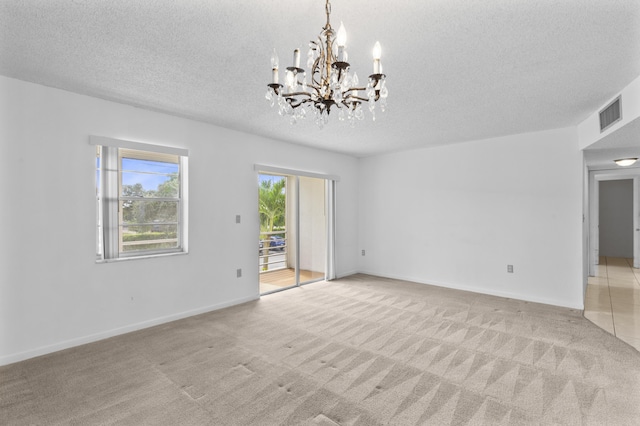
x=457, y=70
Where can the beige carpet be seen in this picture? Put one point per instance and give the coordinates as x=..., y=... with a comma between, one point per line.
x=358, y=351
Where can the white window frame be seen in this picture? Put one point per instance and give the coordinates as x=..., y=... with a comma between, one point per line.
x=108, y=199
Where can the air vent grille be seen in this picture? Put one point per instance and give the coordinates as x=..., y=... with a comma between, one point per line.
x=610, y=114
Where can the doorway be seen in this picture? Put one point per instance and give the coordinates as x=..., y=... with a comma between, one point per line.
x=293, y=241
x=595, y=239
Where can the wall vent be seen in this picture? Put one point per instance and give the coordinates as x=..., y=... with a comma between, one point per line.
x=610, y=114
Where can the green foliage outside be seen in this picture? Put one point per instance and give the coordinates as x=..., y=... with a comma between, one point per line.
x=148, y=236
x=151, y=246
x=152, y=213
x=272, y=207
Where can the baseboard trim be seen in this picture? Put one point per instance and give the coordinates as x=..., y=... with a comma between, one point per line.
x=490, y=292
x=44, y=350
x=346, y=274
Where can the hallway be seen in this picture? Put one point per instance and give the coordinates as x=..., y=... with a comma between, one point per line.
x=612, y=301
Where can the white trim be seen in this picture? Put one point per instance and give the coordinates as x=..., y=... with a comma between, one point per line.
x=145, y=256
x=284, y=171
x=184, y=203
x=594, y=222
x=595, y=177
x=330, y=214
x=615, y=174
x=296, y=212
x=43, y=350
x=636, y=222
x=481, y=291
x=120, y=143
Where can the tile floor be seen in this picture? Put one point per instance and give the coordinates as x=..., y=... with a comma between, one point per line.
x=612, y=301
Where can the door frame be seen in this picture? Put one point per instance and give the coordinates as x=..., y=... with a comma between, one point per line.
x=595, y=177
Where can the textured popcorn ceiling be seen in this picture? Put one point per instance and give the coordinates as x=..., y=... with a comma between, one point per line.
x=457, y=70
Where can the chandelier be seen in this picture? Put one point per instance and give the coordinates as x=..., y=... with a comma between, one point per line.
x=331, y=83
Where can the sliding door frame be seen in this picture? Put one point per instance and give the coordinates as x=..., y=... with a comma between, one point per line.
x=329, y=206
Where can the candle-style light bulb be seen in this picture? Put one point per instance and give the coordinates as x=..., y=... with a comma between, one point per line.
x=341, y=38
x=274, y=66
x=341, y=41
x=377, y=53
x=296, y=58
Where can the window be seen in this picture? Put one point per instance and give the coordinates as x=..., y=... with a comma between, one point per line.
x=140, y=199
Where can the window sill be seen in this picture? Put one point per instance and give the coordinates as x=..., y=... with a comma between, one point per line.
x=148, y=256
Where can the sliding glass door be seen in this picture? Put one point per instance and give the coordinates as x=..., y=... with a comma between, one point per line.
x=275, y=260
x=293, y=231
x=312, y=225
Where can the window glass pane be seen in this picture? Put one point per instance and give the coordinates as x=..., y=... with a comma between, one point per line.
x=148, y=225
x=148, y=179
x=145, y=237
x=148, y=212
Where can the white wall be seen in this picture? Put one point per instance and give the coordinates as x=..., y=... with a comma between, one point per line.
x=452, y=216
x=52, y=293
x=455, y=216
x=616, y=218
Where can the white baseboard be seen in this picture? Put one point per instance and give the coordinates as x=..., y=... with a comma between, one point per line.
x=43, y=350
x=346, y=274
x=481, y=290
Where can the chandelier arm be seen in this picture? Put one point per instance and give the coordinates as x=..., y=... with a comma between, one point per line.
x=305, y=101
x=350, y=104
x=359, y=98
x=315, y=69
x=354, y=88
x=348, y=96
x=293, y=95
x=315, y=82
x=294, y=105
x=356, y=97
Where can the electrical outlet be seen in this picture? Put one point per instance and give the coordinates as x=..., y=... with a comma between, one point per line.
x=237, y=218
x=510, y=269
x=239, y=273
x=363, y=252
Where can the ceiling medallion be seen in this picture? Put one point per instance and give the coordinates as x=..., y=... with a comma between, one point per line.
x=331, y=82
